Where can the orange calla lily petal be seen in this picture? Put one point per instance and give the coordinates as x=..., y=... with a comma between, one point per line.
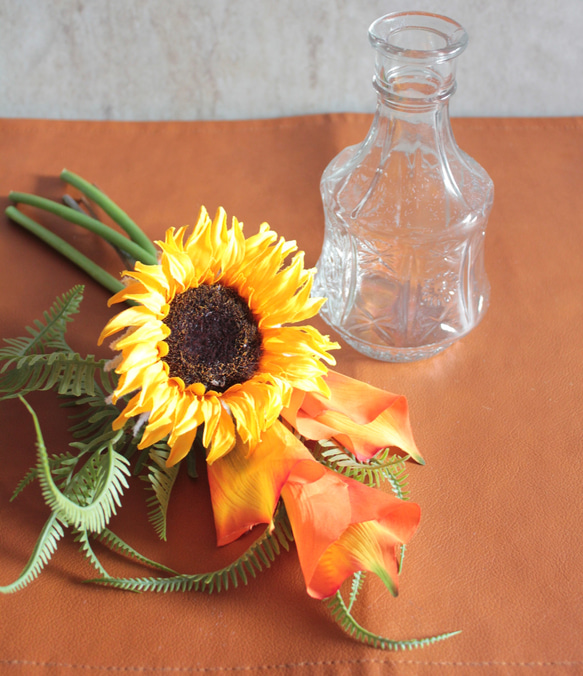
x=341, y=526
x=245, y=487
x=363, y=418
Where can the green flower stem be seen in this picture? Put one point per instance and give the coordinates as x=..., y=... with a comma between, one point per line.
x=135, y=233
x=64, y=248
x=104, y=231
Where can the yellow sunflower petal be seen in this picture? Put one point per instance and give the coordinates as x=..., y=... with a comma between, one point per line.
x=133, y=316
x=151, y=277
x=152, y=332
x=233, y=254
x=181, y=447
x=199, y=248
x=223, y=439
x=179, y=269
x=141, y=355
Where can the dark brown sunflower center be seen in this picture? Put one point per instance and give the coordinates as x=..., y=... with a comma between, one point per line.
x=214, y=338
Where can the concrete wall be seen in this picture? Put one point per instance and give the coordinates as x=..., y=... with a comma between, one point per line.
x=221, y=59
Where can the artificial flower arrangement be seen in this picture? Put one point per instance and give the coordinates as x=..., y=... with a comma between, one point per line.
x=211, y=358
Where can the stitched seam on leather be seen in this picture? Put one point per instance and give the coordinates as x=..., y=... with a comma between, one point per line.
x=266, y=667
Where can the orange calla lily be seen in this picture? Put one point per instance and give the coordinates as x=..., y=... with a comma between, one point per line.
x=245, y=487
x=341, y=526
x=363, y=418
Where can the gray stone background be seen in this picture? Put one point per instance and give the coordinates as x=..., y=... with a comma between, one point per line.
x=221, y=59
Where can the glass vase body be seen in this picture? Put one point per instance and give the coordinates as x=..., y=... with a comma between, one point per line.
x=402, y=263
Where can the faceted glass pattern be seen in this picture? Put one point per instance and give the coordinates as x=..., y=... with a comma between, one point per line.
x=402, y=263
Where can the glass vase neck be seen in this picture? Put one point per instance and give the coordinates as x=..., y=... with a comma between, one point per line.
x=416, y=58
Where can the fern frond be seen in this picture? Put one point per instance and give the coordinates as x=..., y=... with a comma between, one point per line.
x=71, y=373
x=93, y=417
x=83, y=537
x=382, y=467
x=47, y=334
x=355, y=587
x=346, y=621
x=161, y=479
x=45, y=547
x=116, y=544
x=100, y=441
x=61, y=465
x=92, y=494
x=258, y=557
x=91, y=413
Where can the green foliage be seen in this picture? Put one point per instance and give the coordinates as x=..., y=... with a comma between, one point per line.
x=82, y=536
x=92, y=427
x=47, y=335
x=355, y=587
x=63, y=464
x=92, y=494
x=92, y=413
x=71, y=373
x=44, y=360
x=382, y=467
x=116, y=544
x=256, y=558
x=161, y=481
x=343, y=617
x=45, y=547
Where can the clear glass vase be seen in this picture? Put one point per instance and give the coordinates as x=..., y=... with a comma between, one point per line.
x=402, y=263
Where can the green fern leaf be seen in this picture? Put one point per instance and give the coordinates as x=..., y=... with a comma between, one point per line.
x=83, y=537
x=48, y=334
x=71, y=373
x=382, y=467
x=45, y=547
x=161, y=480
x=93, y=416
x=346, y=621
x=62, y=466
x=92, y=494
x=356, y=586
x=115, y=543
x=257, y=558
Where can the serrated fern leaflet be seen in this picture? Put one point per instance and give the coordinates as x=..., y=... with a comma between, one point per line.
x=259, y=556
x=47, y=335
x=343, y=616
x=92, y=494
x=161, y=481
x=42, y=552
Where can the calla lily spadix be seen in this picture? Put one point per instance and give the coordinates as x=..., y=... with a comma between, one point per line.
x=211, y=348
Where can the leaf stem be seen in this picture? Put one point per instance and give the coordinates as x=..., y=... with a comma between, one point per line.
x=136, y=234
x=65, y=249
x=87, y=222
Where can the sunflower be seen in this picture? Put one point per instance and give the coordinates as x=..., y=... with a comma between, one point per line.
x=207, y=343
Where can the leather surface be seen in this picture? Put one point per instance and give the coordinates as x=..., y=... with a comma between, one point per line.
x=498, y=418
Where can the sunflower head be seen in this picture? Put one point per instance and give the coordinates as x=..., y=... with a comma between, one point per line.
x=208, y=341
x=214, y=338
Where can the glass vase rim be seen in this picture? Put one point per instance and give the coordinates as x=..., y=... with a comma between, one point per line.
x=452, y=34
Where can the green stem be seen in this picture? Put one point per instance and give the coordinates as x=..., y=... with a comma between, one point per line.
x=111, y=209
x=92, y=269
x=87, y=222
